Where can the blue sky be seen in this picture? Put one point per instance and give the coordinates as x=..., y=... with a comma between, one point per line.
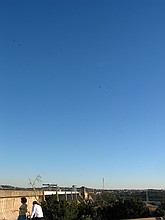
x=82, y=92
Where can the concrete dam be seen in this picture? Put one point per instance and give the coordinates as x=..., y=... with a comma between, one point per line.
x=10, y=200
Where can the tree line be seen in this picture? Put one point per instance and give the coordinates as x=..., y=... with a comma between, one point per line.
x=105, y=206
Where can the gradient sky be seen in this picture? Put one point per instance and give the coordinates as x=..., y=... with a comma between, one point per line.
x=82, y=92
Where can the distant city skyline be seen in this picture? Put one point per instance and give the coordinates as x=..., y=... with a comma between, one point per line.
x=82, y=93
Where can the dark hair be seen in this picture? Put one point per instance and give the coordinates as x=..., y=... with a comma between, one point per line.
x=35, y=202
x=23, y=200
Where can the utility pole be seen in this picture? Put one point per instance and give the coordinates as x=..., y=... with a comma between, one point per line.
x=103, y=183
x=147, y=196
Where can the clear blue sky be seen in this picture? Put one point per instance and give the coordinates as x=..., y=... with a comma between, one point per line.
x=82, y=92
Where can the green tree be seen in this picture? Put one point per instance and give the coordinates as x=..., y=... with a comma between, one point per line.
x=129, y=208
x=62, y=210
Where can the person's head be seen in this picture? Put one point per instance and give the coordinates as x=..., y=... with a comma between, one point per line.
x=35, y=202
x=23, y=200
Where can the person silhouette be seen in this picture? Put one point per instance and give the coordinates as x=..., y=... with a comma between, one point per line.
x=23, y=209
x=37, y=212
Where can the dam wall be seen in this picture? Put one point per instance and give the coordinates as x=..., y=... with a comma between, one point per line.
x=10, y=201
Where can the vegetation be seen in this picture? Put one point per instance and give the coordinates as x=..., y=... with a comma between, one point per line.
x=105, y=206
